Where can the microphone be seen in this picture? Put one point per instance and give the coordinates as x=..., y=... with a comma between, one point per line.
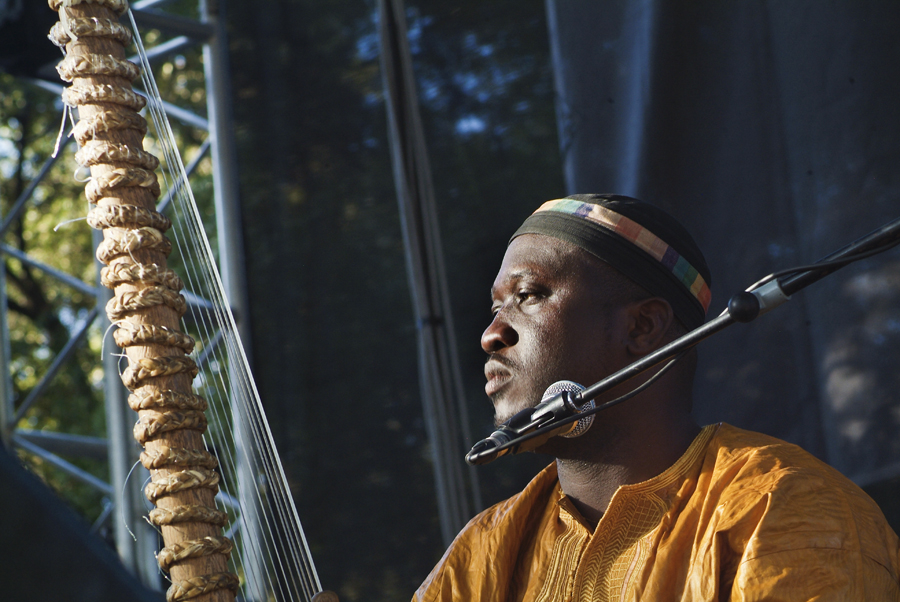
x=556, y=404
x=551, y=398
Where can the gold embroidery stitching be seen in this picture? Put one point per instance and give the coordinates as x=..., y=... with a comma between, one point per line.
x=619, y=549
x=614, y=547
x=564, y=560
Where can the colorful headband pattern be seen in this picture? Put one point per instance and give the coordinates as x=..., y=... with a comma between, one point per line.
x=642, y=238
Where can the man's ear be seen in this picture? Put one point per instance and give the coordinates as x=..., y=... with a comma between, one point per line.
x=650, y=320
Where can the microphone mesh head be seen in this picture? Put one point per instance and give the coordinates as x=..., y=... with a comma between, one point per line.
x=585, y=423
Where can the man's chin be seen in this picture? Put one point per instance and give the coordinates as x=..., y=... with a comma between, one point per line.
x=505, y=411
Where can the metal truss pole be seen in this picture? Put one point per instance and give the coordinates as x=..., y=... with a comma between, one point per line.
x=7, y=409
x=231, y=257
x=225, y=167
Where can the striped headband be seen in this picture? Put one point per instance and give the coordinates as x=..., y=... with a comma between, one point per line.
x=632, y=236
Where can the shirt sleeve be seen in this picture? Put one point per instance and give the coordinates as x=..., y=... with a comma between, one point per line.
x=823, y=575
x=809, y=538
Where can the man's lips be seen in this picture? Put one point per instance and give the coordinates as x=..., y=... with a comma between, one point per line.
x=497, y=376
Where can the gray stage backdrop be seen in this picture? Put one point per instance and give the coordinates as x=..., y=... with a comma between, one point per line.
x=771, y=129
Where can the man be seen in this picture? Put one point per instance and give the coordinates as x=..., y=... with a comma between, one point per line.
x=646, y=505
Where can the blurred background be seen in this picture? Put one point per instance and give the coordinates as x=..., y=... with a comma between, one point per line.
x=770, y=129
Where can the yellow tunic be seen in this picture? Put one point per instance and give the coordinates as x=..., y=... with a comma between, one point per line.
x=740, y=517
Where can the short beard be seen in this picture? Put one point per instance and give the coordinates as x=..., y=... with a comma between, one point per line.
x=513, y=407
x=500, y=419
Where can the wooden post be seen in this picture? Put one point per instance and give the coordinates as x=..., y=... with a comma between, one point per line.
x=147, y=306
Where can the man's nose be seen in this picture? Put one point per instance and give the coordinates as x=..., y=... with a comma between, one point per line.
x=499, y=334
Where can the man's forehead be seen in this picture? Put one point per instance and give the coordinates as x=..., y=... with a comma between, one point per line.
x=533, y=255
x=532, y=252
x=540, y=249
x=540, y=246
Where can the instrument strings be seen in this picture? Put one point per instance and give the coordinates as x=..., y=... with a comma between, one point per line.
x=272, y=555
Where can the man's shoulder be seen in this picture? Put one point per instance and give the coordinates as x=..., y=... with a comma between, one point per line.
x=776, y=490
x=753, y=461
x=747, y=455
x=496, y=533
x=515, y=509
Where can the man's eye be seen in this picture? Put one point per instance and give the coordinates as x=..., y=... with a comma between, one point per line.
x=523, y=296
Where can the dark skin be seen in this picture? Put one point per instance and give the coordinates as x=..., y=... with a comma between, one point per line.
x=563, y=314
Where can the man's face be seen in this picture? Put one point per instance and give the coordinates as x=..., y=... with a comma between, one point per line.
x=553, y=320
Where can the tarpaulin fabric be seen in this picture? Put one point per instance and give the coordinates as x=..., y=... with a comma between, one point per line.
x=772, y=128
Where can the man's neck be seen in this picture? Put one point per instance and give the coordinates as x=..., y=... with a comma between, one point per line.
x=620, y=457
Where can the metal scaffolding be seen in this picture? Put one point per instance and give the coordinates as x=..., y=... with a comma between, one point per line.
x=123, y=499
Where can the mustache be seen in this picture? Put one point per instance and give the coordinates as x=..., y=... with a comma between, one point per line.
x=502, y=361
